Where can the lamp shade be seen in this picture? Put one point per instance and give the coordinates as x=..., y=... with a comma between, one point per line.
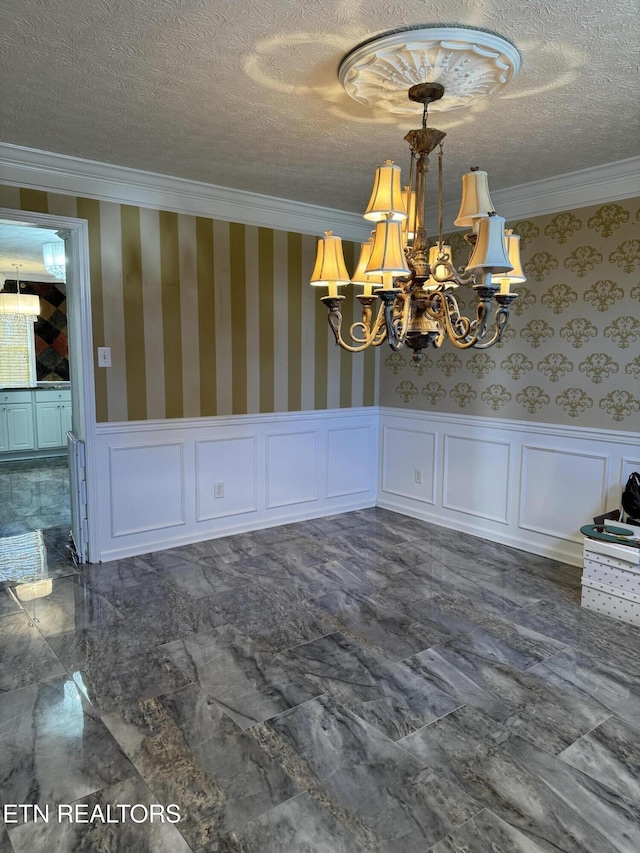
x=387, y=255
x=476, y=200
x=410, y=224
x=386, y=196
x=20, y=303
x=516, y=276
x=330, y=267
x=490, y=252
x=361, y=276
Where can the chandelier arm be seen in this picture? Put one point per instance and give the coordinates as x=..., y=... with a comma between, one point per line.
x=381, y=335
x=396, y=318
x=364, y=325
x=370, y=332
x=461, y=331
x=373, y=337
x=444, y=308
x=479, y=326
x=375, y=334
x=402, y=322
x=458, y=325
x=500, y=320
x=466, y=338
x=388, y=298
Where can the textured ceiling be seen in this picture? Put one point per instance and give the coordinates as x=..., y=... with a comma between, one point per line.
x=245, y=93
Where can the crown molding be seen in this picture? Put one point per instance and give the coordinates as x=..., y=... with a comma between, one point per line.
x=480, y=422
x=59, y=173
x=598, y=185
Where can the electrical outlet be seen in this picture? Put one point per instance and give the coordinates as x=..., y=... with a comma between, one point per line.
x=417, y=476
x=218, y=490
x=104, y=356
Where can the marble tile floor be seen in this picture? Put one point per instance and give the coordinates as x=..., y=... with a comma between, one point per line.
x=34, y=495
x=366, y=682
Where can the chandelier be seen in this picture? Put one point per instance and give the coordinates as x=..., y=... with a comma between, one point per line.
x=409, y=286
x=53, y=258
x=18, y=303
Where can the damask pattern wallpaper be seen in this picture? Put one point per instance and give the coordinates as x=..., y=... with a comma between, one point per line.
x=571, y=352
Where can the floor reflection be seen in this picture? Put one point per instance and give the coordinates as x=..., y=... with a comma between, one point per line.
x=34, y=495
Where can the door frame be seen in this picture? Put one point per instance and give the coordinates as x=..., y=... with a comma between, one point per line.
x=81, y=366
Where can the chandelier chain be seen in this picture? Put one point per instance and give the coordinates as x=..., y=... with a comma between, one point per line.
x=440, y=198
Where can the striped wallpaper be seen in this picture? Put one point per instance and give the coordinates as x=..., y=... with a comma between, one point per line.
x=205, y=317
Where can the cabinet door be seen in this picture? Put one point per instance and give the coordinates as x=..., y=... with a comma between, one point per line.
x=20, y=426
x=65, y=420
x=48, y=425
x=4, y=435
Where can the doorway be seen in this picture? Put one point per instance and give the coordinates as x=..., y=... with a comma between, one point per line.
x=78, y=449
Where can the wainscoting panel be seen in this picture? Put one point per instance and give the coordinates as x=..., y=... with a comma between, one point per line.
x=156, y=480
x=629, y=464
x=476, y=477
x=228, y=465
x=292, y=468
x=561, y=490
x=350, y=454
x=409, y=463
x=147, y=487
x=529, y=485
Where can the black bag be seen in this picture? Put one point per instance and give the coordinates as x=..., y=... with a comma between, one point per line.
x=631, y=498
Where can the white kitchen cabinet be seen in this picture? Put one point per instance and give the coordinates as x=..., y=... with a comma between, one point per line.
x=65, y=417
x=16, y=421
x=53, y=417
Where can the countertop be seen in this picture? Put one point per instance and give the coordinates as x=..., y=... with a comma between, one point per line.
x=40, y=386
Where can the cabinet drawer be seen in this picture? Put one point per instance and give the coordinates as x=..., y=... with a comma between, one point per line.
x=9, y=397
x=53, y=395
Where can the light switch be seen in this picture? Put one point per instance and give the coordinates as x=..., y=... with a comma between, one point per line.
x=104, y=356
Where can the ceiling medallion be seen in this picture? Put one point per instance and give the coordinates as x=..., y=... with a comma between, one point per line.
x=470, y=64
x=409, y=284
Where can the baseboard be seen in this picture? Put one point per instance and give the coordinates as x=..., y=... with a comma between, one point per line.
x=564, y=552
x=241, y=526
